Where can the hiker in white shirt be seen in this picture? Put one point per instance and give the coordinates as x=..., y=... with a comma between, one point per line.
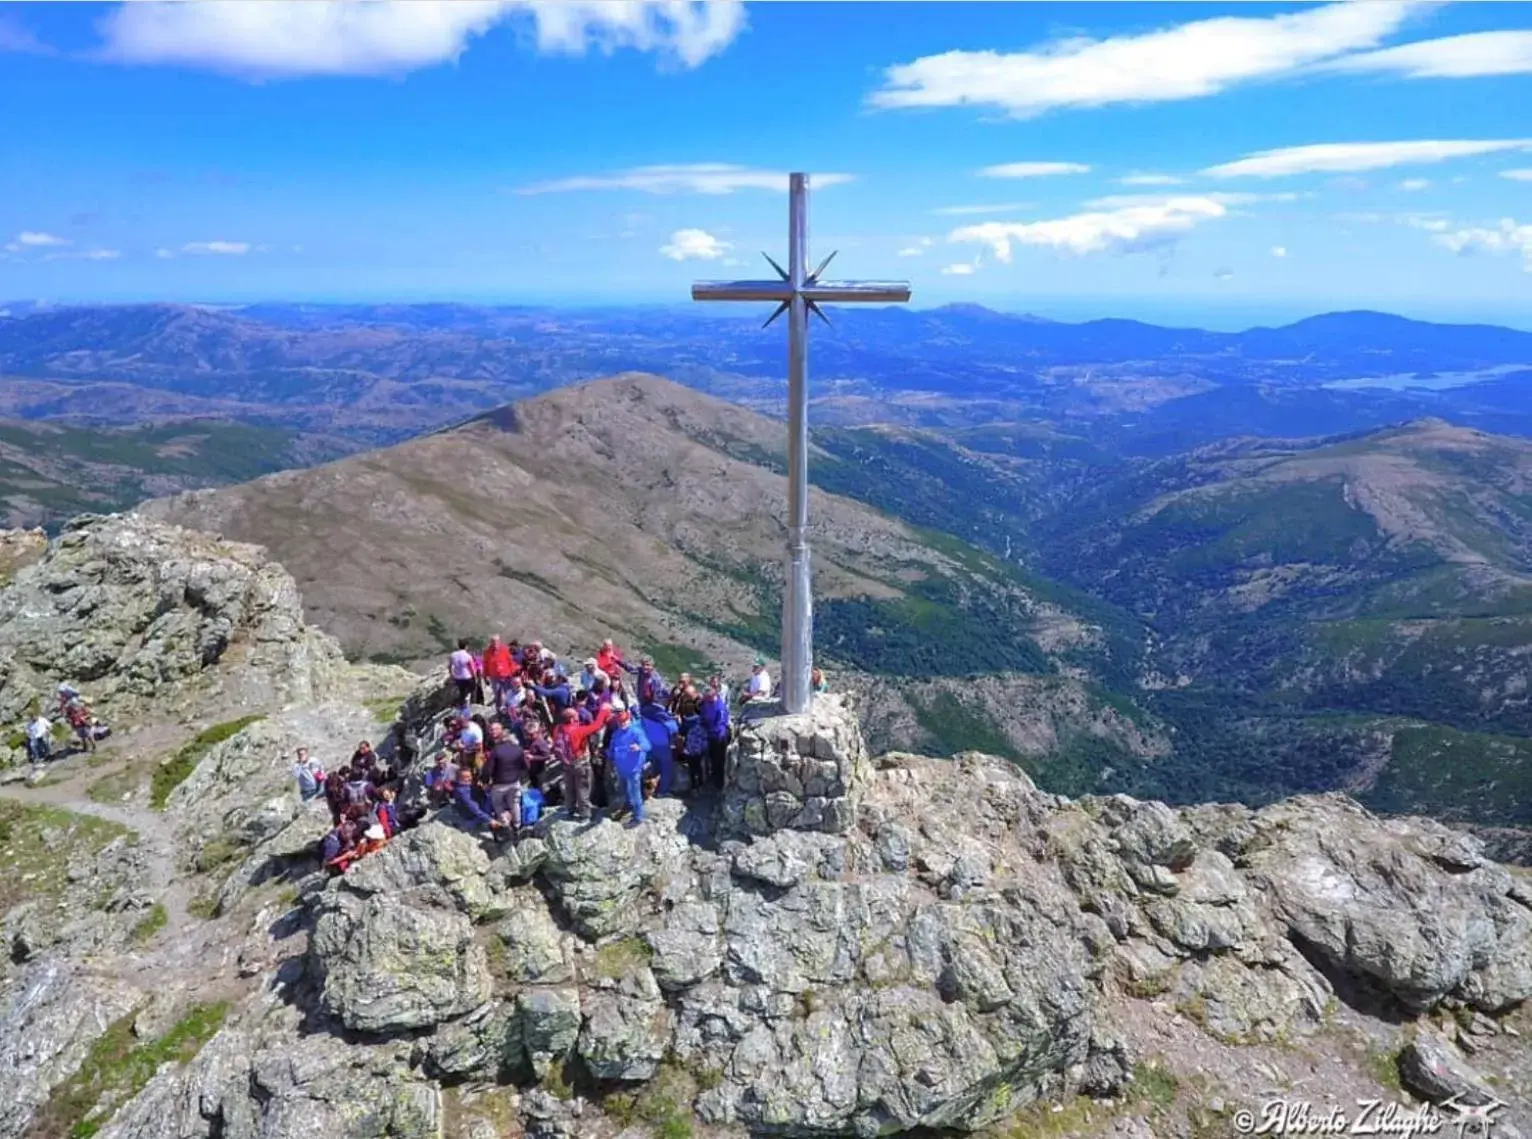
x=758, y=687
x=38, y=730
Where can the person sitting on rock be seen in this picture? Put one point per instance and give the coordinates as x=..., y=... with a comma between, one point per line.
x=571, y=739
x=662, y=728
x=505, y=773
x=463, y=667
x=714, y=715
x=628, y=749
x=310, y=776
x=758, y=687
x=360, y=791
x=386, y=813
x=335, y=793
x=470, y=803
x=340, y=842
x=39, y=728
x=440, y=778
x=469, y=744
x=364, y=761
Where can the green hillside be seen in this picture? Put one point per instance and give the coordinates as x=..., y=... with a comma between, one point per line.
x=50, y=471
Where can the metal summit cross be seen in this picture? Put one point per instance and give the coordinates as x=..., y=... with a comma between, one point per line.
x=798, y=292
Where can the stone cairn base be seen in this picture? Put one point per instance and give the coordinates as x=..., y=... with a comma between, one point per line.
x=802, y=772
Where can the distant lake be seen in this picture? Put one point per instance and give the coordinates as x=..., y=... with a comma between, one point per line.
x=1434, y=382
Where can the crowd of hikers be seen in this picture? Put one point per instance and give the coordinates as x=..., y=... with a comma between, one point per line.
x=525, y=734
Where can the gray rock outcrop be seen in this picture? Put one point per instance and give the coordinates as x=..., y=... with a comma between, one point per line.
x=134, y=611
x=837, y=948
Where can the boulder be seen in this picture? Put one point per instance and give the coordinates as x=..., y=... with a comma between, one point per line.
x=627, y=1029
x=550, y=1025
x=433, y=854
x=1436, y=1071
x=1359, y=893
x=393, y=962
x=138, y=612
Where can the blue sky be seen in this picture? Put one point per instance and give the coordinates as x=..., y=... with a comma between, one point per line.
x=1205, y=164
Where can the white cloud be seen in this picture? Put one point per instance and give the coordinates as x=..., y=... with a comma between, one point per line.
x=1123, y=230
x=968, y=211
x=1507, y=237
x=257, y=38
x=1517, y=175
x=163, y=254
x=1412, y=184
x=1150, y=180
x=34, y=239
x=695, y=245
x=1279, y=251
x=84, y=255
x=1033, y=169
x=226, y=248
x=1454, y=57
x=15, y=38
x=1344, y=157
x=961, y=269
x=917, y=249
x=691, y=178
x=1222, y=274
x=1187, y=61
x=1222, y=197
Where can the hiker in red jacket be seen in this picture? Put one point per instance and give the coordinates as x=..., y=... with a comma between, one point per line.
x=499, y=666
x=569, y=745
x=608, y=660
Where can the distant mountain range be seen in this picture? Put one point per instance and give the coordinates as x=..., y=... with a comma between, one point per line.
x=380, y=373
x=1176, y=563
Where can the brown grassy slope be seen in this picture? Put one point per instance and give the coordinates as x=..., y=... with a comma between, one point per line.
x=606, y=507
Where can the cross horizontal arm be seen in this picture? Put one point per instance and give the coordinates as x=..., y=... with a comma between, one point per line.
x=844, y=292
x=742, y=291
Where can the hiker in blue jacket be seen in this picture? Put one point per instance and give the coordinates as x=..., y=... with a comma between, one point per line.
x=662, y=729
x=469, y=802
x=648, y=684
x=714, y=712
x=627, y=749
x=556, y=693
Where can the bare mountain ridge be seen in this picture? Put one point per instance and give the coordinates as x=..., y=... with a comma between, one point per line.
x=632, y=507
x=380, y=373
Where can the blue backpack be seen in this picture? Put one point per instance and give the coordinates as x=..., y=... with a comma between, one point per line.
x=531, y=806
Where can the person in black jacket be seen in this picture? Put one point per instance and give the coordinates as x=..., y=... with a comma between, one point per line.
x=505, y=771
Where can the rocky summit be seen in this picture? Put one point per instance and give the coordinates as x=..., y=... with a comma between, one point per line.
x=839, y=944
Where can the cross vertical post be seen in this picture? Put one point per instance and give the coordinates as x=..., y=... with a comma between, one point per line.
x=797, y=293
x=797, y=595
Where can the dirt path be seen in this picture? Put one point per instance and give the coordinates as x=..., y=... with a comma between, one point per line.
x=67, y=785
